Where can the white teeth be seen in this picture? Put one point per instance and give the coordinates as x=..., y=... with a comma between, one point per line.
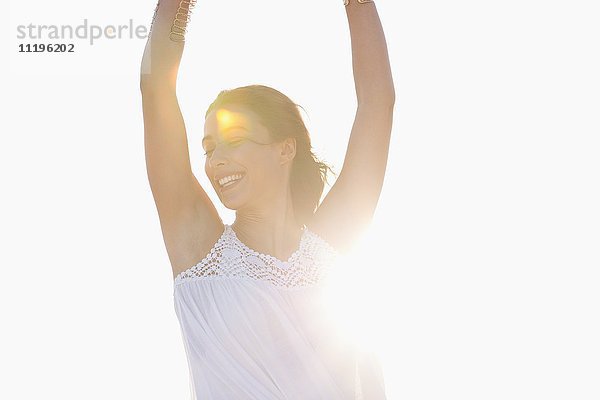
x=224, y=181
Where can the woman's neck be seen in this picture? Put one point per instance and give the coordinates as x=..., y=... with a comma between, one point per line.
x=271, y=230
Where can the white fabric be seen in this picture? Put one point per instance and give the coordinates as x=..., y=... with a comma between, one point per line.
x=253, y=327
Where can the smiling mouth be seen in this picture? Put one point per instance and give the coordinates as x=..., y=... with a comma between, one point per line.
x=229, y=181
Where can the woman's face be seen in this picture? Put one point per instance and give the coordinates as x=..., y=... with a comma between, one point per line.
x=242, y=163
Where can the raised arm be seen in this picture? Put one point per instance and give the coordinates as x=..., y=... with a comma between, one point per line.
x=349, y=206
x=183, y=205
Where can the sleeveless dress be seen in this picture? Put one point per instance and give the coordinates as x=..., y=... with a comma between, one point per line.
x=253, y=327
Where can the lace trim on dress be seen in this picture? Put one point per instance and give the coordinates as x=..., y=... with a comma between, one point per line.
x=230, y=258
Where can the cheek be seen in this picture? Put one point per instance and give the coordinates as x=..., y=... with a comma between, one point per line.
x=208, y=171
x=266, y=169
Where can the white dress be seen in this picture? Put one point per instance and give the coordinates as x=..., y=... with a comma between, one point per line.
x=253, y=327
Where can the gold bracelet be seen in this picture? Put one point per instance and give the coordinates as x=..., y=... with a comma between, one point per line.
x=346, y=2
x=182, y=17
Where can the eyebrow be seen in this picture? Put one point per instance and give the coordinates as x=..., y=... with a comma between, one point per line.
x=210, y=137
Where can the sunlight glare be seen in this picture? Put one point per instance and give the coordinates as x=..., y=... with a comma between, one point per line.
x=353, y=299
x=227, y=119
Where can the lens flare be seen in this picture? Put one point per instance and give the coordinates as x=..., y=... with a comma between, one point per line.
x=226, y=120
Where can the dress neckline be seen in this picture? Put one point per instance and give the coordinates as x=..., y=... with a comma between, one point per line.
x=291, y=258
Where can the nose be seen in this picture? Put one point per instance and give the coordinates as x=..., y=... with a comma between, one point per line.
x=217, y=157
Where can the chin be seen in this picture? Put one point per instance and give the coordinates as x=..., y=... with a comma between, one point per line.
x=232, y=202
x=236, y=196
x=228, y=205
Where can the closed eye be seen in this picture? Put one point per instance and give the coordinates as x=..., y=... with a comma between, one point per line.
x=236, y=141
x=232, y=142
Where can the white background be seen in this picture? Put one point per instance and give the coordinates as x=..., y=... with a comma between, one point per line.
x=479, y=275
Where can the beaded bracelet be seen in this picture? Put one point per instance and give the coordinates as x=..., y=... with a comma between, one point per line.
x=182, y=17
x=346, y=2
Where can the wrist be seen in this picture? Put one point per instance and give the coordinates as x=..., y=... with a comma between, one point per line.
x=346, y=2
x=181, y=21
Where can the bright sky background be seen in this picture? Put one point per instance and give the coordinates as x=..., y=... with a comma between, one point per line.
x=479, y=275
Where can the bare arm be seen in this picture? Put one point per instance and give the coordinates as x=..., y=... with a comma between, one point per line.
x=163, y=51
x=180, y=200
x=349, y=206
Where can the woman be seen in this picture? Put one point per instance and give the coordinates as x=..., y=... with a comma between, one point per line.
x=247, y=294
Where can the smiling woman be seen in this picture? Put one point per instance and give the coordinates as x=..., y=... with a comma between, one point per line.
x=262, y=116
x=251, y=296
